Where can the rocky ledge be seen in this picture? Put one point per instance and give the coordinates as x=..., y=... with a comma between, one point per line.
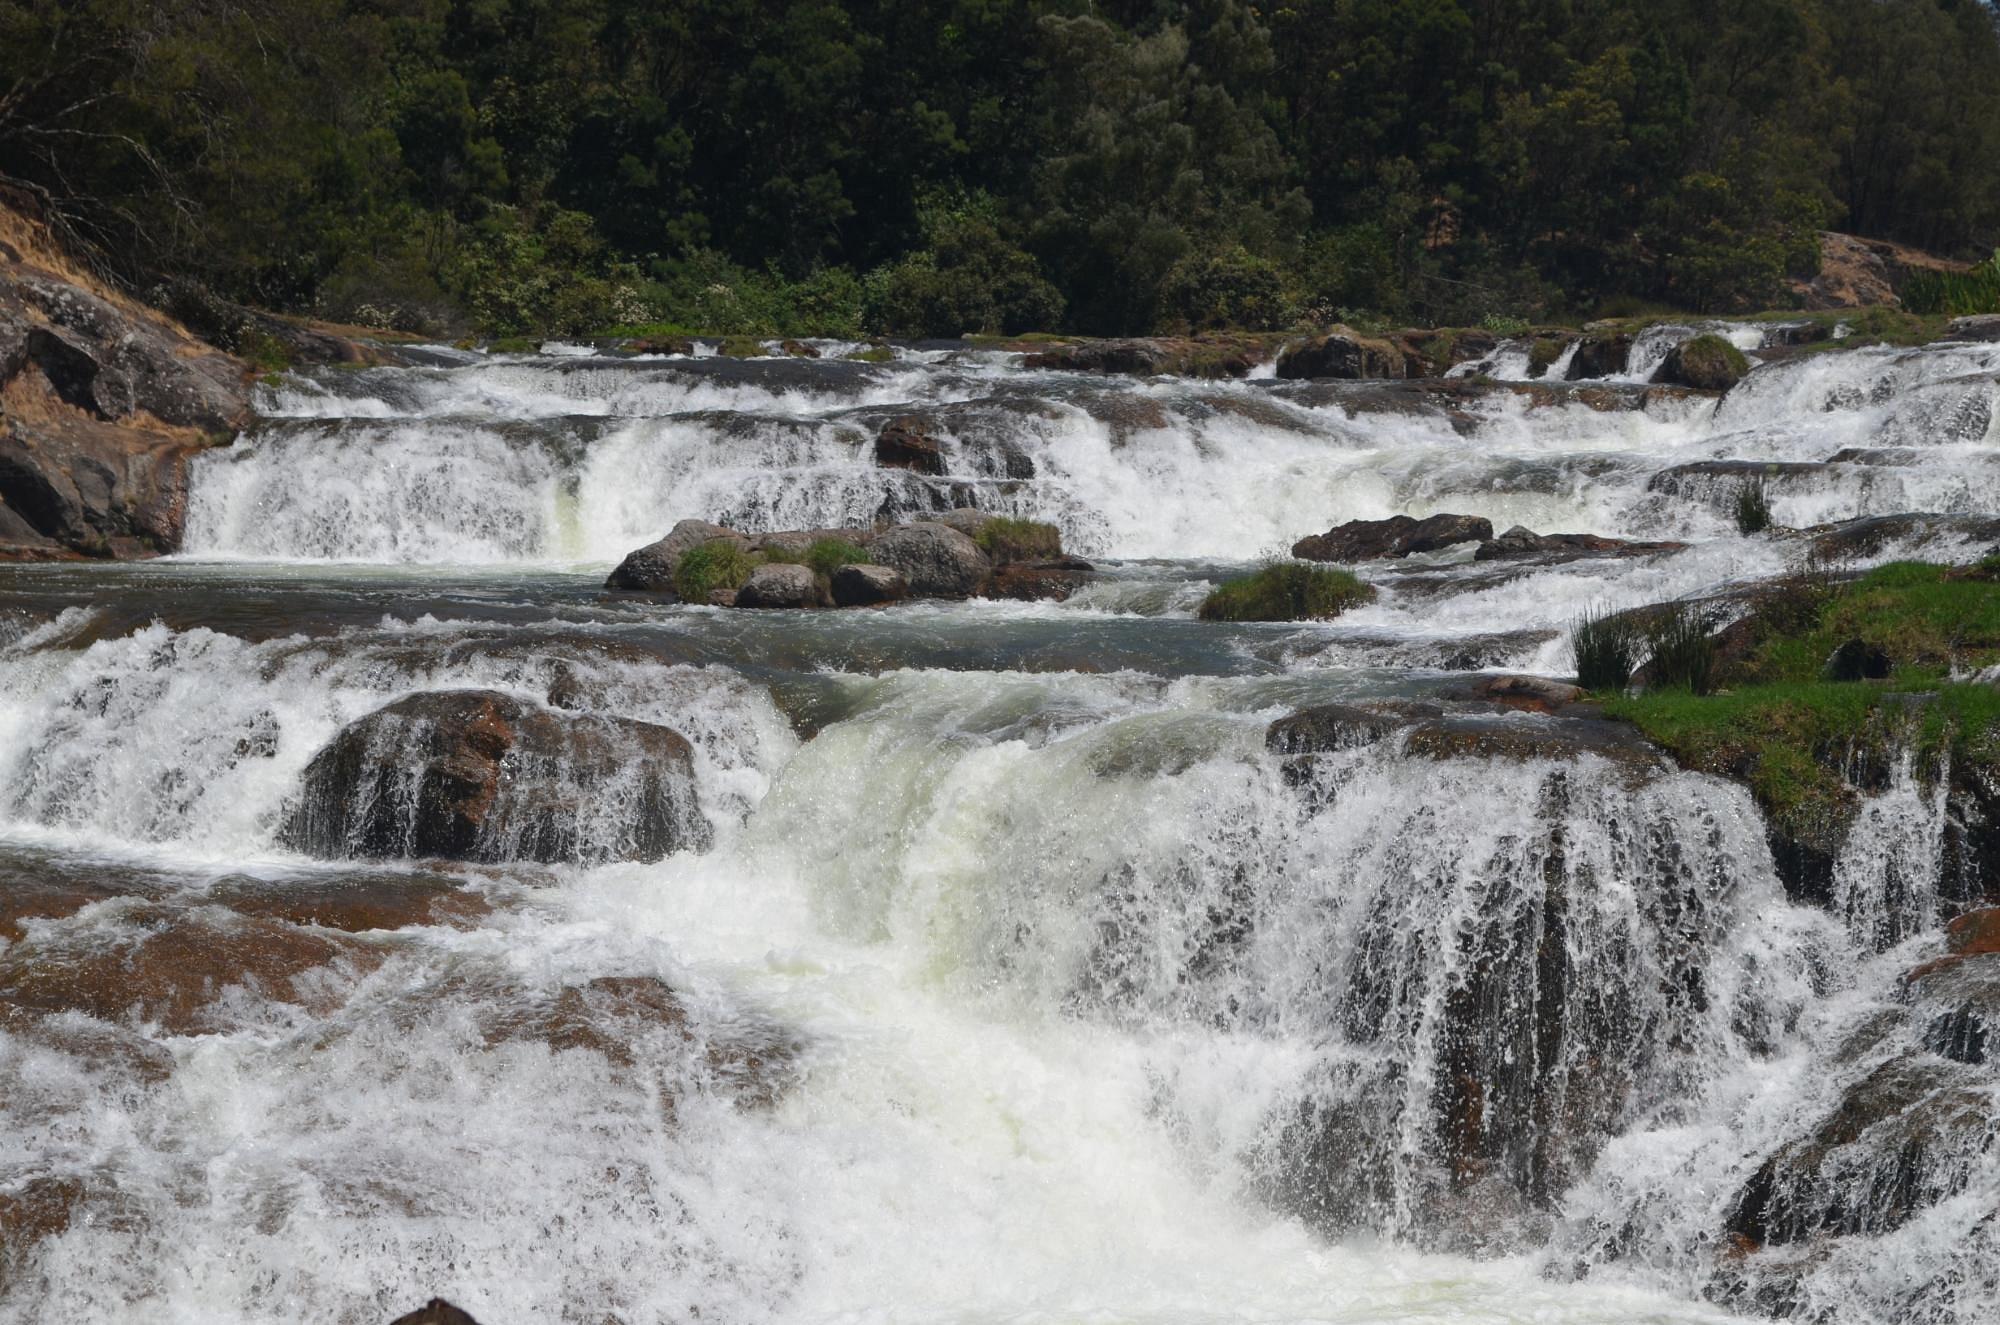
x=956, y=555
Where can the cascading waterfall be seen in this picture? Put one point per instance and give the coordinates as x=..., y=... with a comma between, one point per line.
x=582, y=459
x=1015, y=971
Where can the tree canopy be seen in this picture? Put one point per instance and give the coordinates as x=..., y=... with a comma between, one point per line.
x=937, y=166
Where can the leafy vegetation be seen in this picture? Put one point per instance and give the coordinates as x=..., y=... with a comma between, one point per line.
x=750, y=167
x=1286, y=591
x=1006, y=539
x=722, y=564
x=827, y=555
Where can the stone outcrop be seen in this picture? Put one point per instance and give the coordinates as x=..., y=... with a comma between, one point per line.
x=936, y=560
x=867, y=586
x=1705, y=363
x=1600, y=354
x=1397, y=536
x=779, y=584
x=1219, y=356
x=1343, y=353
x=480, y=775
x=102, y=403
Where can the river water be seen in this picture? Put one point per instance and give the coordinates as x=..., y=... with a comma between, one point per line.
x=1020, y=981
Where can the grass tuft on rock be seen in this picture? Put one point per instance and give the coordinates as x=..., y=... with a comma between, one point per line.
x=1005, y=539
x=1680, y=653
x=827, y=555
x=1605, y=648
x=722, y=564
x=1287, y=591
x=1753, y=508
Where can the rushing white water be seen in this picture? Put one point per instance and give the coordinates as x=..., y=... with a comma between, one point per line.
x=1017, y=976
x=582, y=459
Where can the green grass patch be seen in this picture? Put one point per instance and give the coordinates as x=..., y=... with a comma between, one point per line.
x=722, y=564
x=873, y=354
x=1287, y=591
x=827, y=555
x=1006, y=539
x=743, y=347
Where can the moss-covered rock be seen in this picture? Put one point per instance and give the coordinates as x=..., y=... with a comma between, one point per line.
x=1706, y=363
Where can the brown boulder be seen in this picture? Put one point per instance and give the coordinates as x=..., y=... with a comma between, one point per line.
x=1397, y=536
x=904, y=444
x=480, y=775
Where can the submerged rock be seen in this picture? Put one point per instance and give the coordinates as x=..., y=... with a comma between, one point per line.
x=936, y=560
x=169, y=965
x=1397, y=536
x=1050, y=580
x=480, y=775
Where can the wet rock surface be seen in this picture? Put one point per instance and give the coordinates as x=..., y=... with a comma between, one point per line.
x=935, y=560
x=105, y=402
x=1397, y=536
x=481, y=775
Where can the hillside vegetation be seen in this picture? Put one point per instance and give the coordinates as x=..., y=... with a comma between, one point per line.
x=749, y=166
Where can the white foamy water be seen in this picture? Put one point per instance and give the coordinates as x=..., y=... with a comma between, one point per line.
x=1017, y=979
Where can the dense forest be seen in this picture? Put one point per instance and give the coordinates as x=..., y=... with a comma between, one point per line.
x=819, y=166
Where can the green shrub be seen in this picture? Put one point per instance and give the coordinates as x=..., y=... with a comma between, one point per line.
x=1007, y=539
x=1502, y=325
x=1680, y=654
x=1287, y=591
x=1227, y=287
x=968, y=278
x=1753, y=507
x=1605, y=647
x=722, y=564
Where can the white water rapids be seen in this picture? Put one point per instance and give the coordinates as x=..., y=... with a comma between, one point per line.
x=1023, y=981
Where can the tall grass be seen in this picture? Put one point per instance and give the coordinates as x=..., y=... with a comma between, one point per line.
x=1753, y=507
x=1680, y=654
x=722, y=564
x=1605, y=648
x=1955, y=293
